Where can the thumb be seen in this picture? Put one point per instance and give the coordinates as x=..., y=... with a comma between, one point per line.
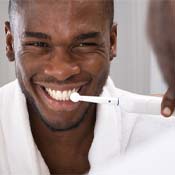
x=168, y=103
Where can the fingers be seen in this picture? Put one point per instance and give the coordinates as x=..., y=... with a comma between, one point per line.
x=168, y=103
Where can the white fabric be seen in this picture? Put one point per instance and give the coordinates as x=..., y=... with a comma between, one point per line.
x=116, y=132
x=156, y=157
x=21, y=156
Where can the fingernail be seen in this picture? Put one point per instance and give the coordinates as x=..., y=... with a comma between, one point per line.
x=166, y=111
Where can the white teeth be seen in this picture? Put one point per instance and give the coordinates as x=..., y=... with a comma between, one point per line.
x=60, y=95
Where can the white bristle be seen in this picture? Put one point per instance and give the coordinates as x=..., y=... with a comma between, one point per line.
x=75, y=97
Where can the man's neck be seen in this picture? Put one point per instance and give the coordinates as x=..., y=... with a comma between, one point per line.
x=65, y=151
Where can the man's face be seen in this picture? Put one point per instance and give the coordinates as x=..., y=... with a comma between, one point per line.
x=60, y=47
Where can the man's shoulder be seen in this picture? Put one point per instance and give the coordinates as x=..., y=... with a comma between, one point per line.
x=8, y=89
x=8, y=86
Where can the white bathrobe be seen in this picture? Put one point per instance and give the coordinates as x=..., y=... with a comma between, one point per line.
x=116, y=133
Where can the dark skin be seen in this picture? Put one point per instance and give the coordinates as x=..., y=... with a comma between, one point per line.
x=61, y=45
x=161, y=27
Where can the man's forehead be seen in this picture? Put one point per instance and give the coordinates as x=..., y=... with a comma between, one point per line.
x=68, y=13
x=48, y=16
x=59, y=2
x=66, y=6
x=68, y=9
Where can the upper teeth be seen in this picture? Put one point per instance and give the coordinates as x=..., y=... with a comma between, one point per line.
x=60, y=95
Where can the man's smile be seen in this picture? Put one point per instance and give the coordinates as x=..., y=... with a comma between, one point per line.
x=57, y=97
x=60, y=95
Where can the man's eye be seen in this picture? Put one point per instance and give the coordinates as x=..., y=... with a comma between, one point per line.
x=87, y=44
x=86, y=47
x=38, y=44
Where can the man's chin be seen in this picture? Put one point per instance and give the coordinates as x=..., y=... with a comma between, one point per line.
x=60, y=126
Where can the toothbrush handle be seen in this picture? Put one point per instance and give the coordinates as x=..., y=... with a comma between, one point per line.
x=141, y=104
x=101, y=100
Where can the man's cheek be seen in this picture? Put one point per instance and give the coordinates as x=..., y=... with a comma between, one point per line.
x=99, y=70
x=96, y=66
x=25, y=71
x=30, y=66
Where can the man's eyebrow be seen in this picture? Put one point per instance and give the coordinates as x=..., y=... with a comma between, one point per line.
x=36, y=35
x=88, y=35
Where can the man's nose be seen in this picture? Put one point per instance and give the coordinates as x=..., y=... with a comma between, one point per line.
x=61, y=66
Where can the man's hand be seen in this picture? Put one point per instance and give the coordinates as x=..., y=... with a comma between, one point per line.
x=168, y=103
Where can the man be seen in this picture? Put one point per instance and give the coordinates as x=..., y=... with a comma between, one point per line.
x=161, y=22
x=60, y=47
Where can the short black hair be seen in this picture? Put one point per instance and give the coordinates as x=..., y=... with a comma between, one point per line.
x=108, y=8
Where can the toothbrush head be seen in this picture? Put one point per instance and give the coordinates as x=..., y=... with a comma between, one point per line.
x=75, y=97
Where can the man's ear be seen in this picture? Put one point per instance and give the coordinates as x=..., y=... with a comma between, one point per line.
x=9, y=42
x=113, y=42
